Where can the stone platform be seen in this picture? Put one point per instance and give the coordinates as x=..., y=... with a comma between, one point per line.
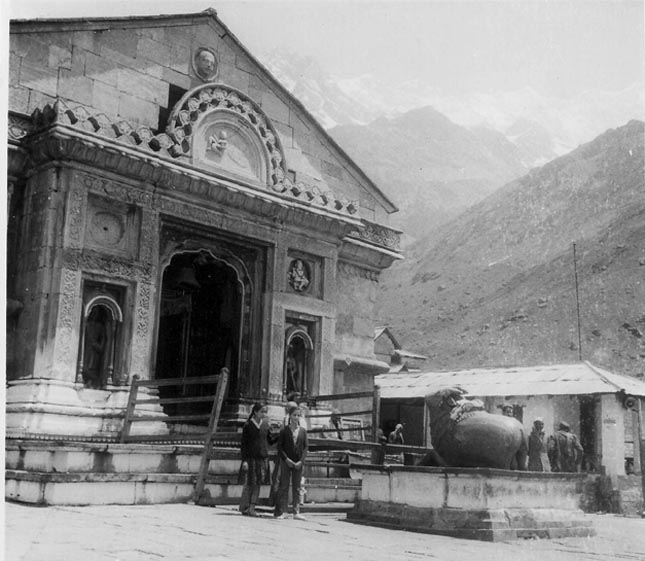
x=483, y=504
x=47, y=472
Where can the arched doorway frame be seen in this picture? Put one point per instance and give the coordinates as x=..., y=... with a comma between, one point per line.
x=223, y=256
x=116, y=316
x=293, y=332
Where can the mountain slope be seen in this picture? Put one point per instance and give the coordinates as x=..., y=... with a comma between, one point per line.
x=432, y=168
x=498, y=286
x=556, y=125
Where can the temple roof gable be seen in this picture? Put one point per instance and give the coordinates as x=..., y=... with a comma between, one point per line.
x=141, y=72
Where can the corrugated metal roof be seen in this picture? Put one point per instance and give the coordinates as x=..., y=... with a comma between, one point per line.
x=558, y=379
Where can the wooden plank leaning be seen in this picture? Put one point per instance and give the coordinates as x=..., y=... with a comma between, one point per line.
x=129, y=410
x=200, y=482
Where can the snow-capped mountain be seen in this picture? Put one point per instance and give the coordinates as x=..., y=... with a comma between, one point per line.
x=541, y=127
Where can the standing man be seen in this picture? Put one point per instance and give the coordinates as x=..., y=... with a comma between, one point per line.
x=538, y=460
x=565, y=450
x=292, y=451
x=333, y=429
x=396, y=436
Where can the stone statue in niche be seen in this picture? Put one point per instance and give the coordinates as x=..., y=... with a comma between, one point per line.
x=205, y=64
x=299, y=277
x=96, y=343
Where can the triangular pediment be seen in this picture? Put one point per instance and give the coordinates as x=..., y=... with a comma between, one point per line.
x=185, y=86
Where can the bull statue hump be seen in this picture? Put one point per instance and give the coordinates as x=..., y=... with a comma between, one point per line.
x=465, y=435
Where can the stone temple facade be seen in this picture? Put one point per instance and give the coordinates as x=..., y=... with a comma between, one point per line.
x=174, y=210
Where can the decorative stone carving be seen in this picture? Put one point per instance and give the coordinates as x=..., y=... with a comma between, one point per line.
x=75, y=217
x=18, y=126
x=112, y=226
x=299, y=275
x=175, y=144
x=230, y=148
x=113, y=266
x=351, y=270
x=115, y=189
x=66, y=319
x=107, y=229
x=140, y=343
x=378, y=235
x=205, y=64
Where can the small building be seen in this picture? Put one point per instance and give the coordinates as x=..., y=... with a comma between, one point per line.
x=388, y=349
x=601, y=407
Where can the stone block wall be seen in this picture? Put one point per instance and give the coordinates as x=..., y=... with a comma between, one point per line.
x=630, y=489
x=135, y=71
x=356, y=294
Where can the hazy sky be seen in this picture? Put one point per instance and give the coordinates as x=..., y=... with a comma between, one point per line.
x=560, y=48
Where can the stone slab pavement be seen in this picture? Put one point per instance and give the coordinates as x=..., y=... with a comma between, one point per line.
x=181, y=532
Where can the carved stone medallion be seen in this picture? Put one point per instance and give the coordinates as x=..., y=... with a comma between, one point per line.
x=205, y=64
x=107, y=229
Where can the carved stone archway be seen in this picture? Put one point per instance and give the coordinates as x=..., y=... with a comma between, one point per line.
x=98, y=348
x=198, y=110
x=298, y=362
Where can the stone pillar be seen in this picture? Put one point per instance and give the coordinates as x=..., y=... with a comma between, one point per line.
x=612, y=436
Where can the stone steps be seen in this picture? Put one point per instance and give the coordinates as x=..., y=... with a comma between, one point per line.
x=85, y=473
x=87, y=488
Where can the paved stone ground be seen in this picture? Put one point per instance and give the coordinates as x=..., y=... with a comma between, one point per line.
x=188, y=532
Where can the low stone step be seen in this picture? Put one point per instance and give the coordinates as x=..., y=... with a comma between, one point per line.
x=87, y=488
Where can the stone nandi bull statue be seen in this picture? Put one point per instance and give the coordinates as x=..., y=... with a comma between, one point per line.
x=465, y=435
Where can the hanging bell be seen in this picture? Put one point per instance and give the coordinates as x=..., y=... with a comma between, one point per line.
x=185, y=279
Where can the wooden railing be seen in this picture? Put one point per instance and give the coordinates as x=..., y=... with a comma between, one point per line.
x=368, y=432
x=209, y=428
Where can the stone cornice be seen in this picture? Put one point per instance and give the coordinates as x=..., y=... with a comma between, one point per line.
x=176, y=144
x=59, y=133
x=367, y=255
x=180, y=182
x=378, y=235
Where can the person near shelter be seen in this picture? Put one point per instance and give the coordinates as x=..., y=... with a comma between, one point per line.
x=538, y=460
x=565, y=452
x=507, y=411
x=254, y=470
x=292, y=452
x=334, y=429
x=396, y=436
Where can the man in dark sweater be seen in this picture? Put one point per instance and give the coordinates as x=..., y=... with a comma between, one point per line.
x=292, y=451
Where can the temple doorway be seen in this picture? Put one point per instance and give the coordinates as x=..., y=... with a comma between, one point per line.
x=199, y=325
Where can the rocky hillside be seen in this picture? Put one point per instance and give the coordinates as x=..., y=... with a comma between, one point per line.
x=498, y=287
x=432, y=168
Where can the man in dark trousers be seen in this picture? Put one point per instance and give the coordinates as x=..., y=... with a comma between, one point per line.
x=292, y=451
x=565, y=452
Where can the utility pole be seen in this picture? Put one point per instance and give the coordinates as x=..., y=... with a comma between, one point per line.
x=575, y=271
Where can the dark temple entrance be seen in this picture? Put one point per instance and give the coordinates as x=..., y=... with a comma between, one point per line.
x=199, y=327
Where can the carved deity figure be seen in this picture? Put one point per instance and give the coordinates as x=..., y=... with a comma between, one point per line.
x=218, y=143
x=298, y=276
x=230, y=150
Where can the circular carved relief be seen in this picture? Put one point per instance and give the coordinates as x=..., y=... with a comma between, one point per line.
x=299, y=275
x=205, y=64
x=107, y=228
